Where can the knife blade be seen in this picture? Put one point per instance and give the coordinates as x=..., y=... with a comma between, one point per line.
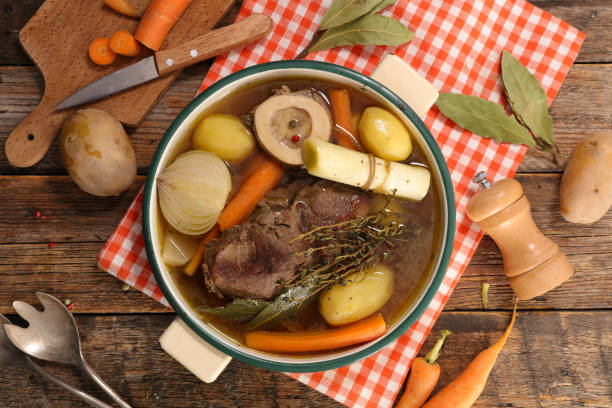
x=213, y=43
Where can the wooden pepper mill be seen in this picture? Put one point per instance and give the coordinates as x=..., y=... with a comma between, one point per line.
x=532, y=262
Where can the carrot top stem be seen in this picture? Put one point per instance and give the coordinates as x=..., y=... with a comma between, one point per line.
x=434, y=353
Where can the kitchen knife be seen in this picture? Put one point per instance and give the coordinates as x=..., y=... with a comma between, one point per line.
x=215, y=42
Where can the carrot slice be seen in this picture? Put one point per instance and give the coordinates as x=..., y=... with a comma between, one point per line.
x=264, y=175
x=464, y=390
x=361, y=331
x=122, y=42
x=100, y=52
x=423, y=377
x=341, y=107
x=263, y=179
x=122, y=7
x=157, y=20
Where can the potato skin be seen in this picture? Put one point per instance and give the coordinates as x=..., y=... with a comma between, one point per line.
x=585, y=194
x=97, y=153
x=365, y=295
x=384, y=135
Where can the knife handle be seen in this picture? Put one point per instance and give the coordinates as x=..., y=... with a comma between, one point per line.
x=215, y=42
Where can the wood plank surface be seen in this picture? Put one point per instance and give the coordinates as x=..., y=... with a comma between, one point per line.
x=559, y=354
x=590, y=16
x=552, y=359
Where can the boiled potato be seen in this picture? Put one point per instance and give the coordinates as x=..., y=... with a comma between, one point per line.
x=97, y=152
x=225, y=135
x=384, y=135
x=367, y=292
x=586, y=187
x=393, y=208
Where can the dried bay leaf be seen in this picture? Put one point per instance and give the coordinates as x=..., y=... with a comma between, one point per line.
x=287, y=302
x=369, y=29
x=345, y=11
x=382, y=5
x=240, y=309
x=484, y=118
x=527, y=98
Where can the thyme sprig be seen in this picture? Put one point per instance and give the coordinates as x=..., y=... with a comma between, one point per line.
x=348, y=247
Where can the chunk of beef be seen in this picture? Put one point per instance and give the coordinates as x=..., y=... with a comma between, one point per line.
x=249, y=259
x=326, y=203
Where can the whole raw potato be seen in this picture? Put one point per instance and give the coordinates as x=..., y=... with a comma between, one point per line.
x=586, y=187
x=97, y=152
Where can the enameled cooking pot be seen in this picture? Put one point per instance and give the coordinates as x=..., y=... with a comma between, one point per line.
x=183, y=125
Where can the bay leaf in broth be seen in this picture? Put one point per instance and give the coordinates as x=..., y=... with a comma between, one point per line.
x=291, y=300
x=239, y=309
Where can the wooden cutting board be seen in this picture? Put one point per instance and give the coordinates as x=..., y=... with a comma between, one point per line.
x=57, y=38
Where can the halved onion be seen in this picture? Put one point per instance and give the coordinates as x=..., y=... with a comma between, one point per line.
x=193, y=191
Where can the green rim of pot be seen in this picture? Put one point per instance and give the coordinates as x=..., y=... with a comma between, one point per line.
x=408, y=321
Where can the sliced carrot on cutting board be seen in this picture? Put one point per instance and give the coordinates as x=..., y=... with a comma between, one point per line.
x=100, y=52
x=123, y=43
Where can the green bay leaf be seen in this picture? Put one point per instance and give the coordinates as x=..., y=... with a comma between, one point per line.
x=382, y=5
x=345, y=11
x=369, y=29
x=527, y=98
x=240, y=309
x=287, y=302
x=484, y=118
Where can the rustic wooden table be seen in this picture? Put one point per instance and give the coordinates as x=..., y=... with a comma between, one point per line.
x=559, y=354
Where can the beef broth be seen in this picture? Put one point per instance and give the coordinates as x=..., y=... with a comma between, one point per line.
x=249, y=259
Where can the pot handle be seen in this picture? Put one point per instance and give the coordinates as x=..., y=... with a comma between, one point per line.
x=195, y=354
x=397, y=75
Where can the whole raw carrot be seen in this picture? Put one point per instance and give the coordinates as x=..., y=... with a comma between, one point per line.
x=123, y=43
x=361, y=331
x=122, y=7
x=157, y=20
x=423, y=377
x=341, y=106
x=464, y=390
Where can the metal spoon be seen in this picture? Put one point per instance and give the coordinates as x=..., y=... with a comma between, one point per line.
x=52, y=335
x=11, y=356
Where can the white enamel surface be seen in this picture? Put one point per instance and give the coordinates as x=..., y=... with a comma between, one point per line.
x=185, y=128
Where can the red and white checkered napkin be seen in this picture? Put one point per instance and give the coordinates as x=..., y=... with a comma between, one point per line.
x=457, y=46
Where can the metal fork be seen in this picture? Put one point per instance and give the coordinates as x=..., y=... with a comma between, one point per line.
x=11, y=356
x=52, y=335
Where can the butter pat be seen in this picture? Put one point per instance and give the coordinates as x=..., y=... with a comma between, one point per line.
x=398, y=76
x=196, y=355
